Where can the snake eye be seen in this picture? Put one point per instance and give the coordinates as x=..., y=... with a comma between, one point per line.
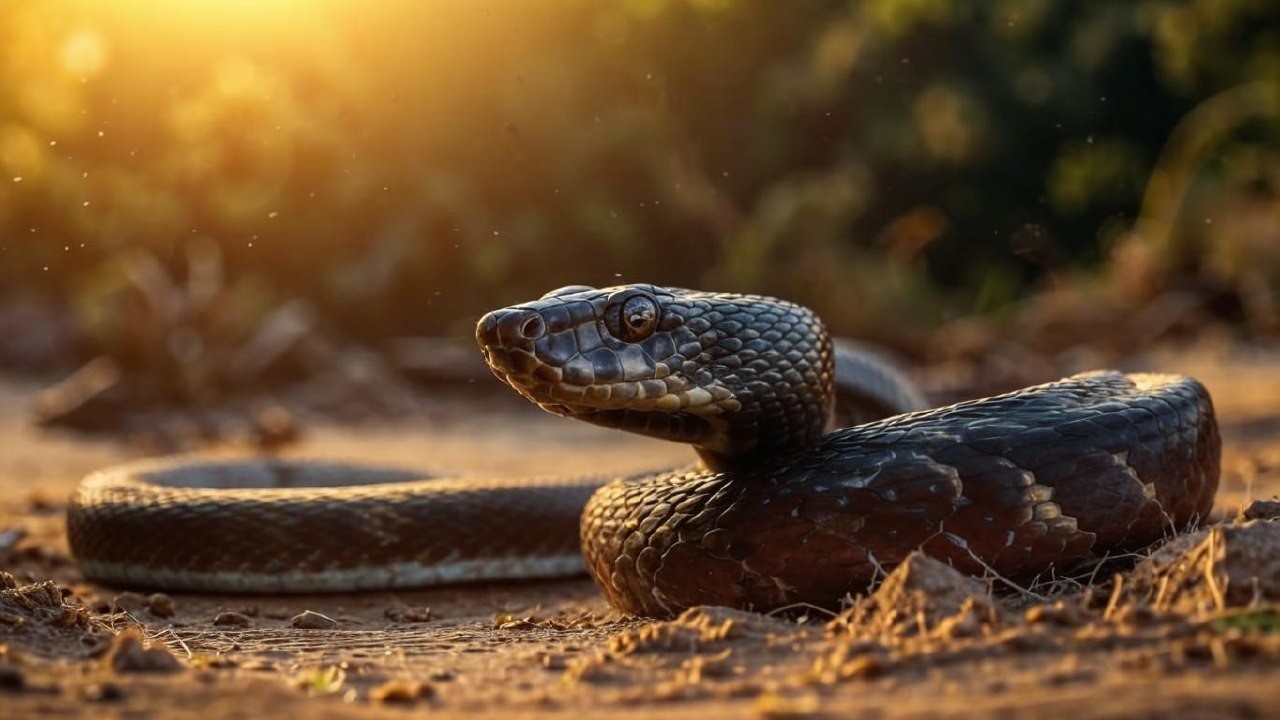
x=633, y=317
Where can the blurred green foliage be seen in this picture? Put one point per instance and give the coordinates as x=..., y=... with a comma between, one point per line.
x=407, y=165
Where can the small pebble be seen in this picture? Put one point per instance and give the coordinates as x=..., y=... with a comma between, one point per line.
x=1261, y=510
x=103, y=692
x=161, y=605
x=275, y=427
x=232, y=619
x=129, y=653
x=11, y=678
x=1059, y=613
x=128, y=602
x=401, y=691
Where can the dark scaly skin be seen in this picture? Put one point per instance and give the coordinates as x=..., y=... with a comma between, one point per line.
x=267, y=525
x=1020, y=484
x=744, y=377
x=271, y=525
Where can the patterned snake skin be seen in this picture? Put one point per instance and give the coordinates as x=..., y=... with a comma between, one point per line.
x=780, y=511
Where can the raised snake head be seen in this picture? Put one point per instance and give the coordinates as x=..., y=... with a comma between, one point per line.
x=735, y=375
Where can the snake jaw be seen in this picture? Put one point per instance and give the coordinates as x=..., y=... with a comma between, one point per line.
x=569, y=389
x=568, y=399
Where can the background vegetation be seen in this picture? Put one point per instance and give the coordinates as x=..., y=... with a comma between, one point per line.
x=404, y=165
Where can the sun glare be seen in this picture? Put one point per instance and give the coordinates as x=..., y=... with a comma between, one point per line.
x=210, y=18
x=229, y=12
x=84, y=53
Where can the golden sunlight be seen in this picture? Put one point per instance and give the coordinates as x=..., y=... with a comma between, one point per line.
x=84, y=53
x=199, y=21
x=224, y=15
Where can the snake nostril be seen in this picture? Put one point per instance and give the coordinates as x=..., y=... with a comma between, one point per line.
x=532, y=328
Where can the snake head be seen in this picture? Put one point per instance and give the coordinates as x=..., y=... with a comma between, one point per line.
x=728, y=373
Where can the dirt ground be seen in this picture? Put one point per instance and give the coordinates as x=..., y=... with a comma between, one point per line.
x=1198, y=637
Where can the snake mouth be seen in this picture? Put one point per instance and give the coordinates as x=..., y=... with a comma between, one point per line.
x=546, y=388
x=627, y=380
x=561, y=358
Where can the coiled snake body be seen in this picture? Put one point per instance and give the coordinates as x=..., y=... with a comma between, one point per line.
x=780, y=511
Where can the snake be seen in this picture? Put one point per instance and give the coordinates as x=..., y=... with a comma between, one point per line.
x=780, y=508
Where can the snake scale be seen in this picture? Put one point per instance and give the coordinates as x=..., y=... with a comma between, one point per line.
x=780, y=509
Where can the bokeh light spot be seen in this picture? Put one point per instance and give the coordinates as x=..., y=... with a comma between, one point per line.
x=84, y=53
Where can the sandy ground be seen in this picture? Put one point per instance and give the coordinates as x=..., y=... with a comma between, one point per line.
x=555, y=649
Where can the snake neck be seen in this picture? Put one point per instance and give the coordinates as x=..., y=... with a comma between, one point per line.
x=747, y=438
x=772, y=423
